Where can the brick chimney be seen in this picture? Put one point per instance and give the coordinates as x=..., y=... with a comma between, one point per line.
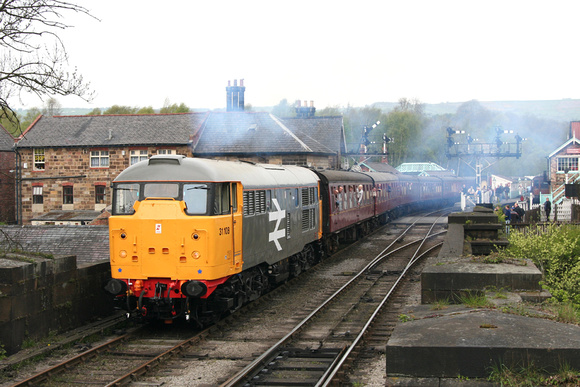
x=574, y=130
x=235, y=96
x=305, y=111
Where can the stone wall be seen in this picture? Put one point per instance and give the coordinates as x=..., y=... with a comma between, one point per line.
x=40, y=295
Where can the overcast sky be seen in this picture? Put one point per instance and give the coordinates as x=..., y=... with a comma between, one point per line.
x=335, y=53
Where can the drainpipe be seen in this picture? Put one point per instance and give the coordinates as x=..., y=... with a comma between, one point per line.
x=18, y=185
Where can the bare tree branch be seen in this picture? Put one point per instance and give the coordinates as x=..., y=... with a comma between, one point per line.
x=27, y=29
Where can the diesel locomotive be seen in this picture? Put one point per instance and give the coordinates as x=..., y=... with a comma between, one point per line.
x=196, y=238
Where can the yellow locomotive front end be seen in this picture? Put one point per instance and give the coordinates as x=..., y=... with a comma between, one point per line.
x=172, y=243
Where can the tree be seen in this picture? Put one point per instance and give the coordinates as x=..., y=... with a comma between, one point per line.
x=118, y=109
x=95, y=112
x=173, y=108
x=284, y=109
x=52, y=108
x=33, y=58
x=405, y=127
x=146, y=110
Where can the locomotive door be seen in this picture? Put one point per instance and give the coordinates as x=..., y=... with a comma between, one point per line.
x=237, y=211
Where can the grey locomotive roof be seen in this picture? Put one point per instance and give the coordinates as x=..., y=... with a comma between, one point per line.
x=111, y=130
x=250, y=133
x=180, y=168
x=6, y=140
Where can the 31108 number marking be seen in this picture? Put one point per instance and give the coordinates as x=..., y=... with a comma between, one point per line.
x=223, y=231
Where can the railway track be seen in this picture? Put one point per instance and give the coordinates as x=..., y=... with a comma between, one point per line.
x=319, y=349
x=315, y=341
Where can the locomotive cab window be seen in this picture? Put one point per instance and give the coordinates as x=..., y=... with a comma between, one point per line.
x=124, y=197
x=195, y=197
x=161, y=190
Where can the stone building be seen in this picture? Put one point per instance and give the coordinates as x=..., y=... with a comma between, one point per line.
x=264, y=138
x=7, y=177
x=67, y=163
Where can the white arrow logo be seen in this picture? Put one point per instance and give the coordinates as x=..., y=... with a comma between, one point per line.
x=277, y=215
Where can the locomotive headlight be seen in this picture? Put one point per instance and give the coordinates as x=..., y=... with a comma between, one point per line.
x=122, y=254
x=196, y=254
x=193, y=288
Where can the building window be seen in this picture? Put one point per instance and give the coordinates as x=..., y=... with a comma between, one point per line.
x=99, y=159
x=67, y=194
x=100, y=194
x=37, y=197
x=138, y=155
x=566, y=164
x=39, y=159
x=166, y=152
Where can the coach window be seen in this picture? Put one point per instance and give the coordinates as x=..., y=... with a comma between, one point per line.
x=195, y=198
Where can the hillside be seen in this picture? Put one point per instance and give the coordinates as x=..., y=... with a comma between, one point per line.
x=560, y=110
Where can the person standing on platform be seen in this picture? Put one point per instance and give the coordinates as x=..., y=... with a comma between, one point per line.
x=547, y=209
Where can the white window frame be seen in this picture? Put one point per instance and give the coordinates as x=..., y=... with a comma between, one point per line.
x=137, y=155
x=39, y=159
x=560, y=162
x=37, y=191
x=166, y=151
x=101, y=157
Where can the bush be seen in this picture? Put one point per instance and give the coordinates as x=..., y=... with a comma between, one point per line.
x=556, y=252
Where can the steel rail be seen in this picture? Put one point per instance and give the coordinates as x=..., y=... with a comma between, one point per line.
x=261, y=360
x=330, y=374
x=34, y=380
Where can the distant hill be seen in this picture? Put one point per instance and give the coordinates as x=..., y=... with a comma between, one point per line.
x=561, y=110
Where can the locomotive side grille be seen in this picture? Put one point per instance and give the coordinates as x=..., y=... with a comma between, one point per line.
x=305, y=219
x=308, y=196
x=287, y=225
x=249, y=203
x=308, y=219
x=305, y=197
x=260, y=202
x=254, y=203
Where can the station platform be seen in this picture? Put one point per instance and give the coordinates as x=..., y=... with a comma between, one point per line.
x=451, y=344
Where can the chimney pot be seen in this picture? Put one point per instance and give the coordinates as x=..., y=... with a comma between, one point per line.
x=241, y=82
x=298, y=104
x=311, y=103
x=235, y=82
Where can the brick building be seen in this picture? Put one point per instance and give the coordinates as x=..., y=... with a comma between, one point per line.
x=68, y=162
x=564, y=162
x=7, y=177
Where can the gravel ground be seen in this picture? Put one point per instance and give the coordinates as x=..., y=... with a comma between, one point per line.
x=219, y=358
